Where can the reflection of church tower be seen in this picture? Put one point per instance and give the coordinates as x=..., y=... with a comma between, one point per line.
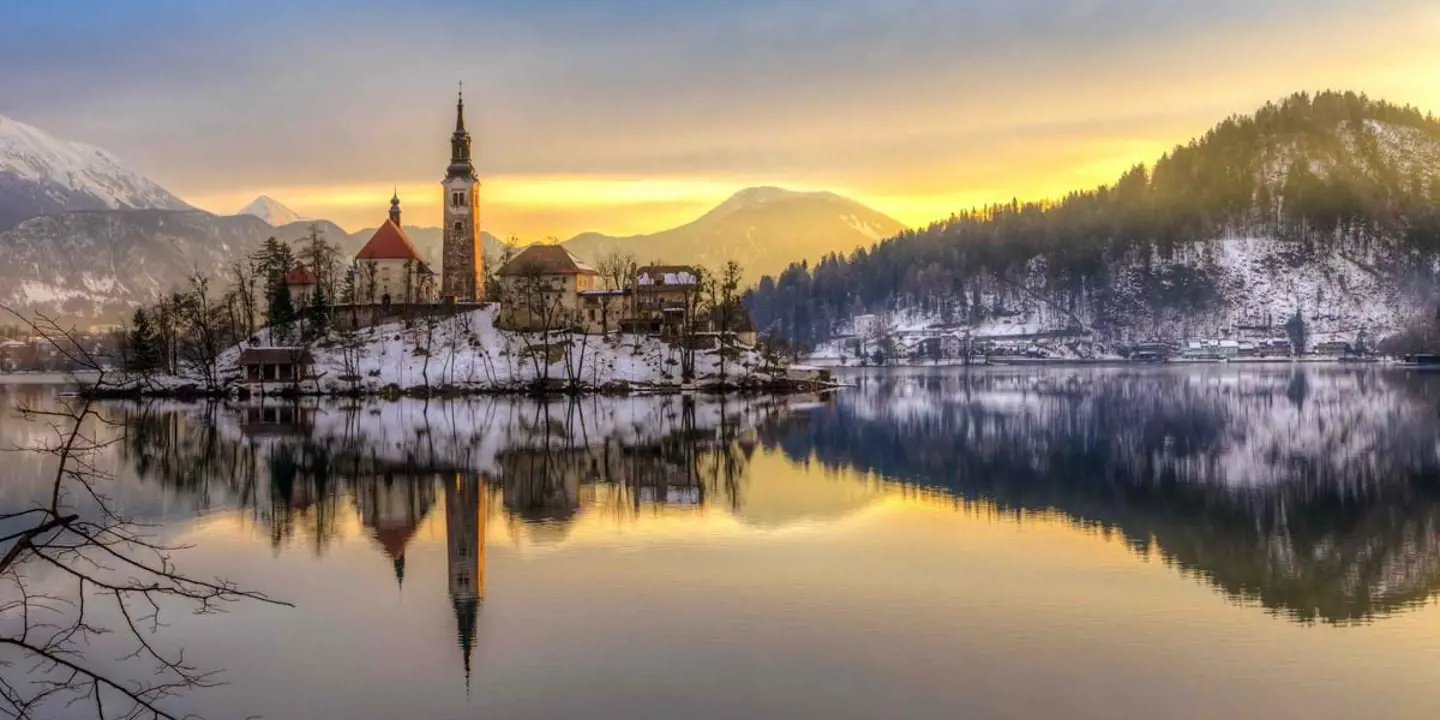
x=465, y=539
x=393, y=508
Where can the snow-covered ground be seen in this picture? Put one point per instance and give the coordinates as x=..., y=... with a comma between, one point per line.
x=467, y=352
x=1341, y=287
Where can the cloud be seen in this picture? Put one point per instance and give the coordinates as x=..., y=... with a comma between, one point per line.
x=910, y=104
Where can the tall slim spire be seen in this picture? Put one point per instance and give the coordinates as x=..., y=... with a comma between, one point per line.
x=460, y=109
x=460, y=142
x=395, y=206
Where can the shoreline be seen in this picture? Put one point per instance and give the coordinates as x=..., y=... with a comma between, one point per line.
x=195, y=392
x=829, y=364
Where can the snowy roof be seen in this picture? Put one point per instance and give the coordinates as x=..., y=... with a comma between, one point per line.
x=659, y=276
x=388, y=243
x=546, y=260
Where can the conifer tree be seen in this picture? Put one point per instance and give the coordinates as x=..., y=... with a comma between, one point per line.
x=318, y=311
x=281, y=308
x=142, y=344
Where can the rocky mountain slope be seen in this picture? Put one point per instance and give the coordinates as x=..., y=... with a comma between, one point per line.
x=99, y=265
x=762, y=228
x=41, y=174
x=1325, y=208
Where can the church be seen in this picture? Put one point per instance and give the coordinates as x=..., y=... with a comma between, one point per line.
x=390, y=270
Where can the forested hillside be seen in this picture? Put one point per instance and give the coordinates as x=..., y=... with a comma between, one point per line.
x=1327, y=206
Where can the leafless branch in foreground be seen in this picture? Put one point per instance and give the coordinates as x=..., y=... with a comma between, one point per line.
x=76, y=574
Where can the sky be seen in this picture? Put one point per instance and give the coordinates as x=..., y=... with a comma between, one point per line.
x=632, y=116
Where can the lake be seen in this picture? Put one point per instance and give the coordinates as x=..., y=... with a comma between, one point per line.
x=1203, y=541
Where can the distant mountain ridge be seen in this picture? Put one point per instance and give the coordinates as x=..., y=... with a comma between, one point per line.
x=87, y=238
x=41, y=174
x=1321, y=209
x=100, y=265
x=762, y=228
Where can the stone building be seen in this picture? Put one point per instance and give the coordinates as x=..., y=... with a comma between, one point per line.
x=301, y=284
x=663, y=293
x=604, y=310
x=462, y=257
x=541, y=289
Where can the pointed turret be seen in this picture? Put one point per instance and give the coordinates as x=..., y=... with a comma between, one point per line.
x=395, y=207
x=460, y=165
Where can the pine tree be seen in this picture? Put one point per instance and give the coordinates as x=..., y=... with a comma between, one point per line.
x=142, y=344
x=318, y=311
x=280, y=307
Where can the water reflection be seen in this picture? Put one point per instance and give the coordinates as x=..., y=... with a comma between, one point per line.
x=1312, y=492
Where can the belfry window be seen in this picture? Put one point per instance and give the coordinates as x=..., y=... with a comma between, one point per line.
x=457, y=199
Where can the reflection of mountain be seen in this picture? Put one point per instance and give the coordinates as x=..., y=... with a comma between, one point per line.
x=1316, y=493
x=1313, y=492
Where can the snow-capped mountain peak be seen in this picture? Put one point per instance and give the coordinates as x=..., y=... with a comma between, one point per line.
x=271, y=211
x=42, y=174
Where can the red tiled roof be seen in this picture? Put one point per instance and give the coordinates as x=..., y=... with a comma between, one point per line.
x=546, y=260
x=299, y=276
x=388, y=243
x=394, y=539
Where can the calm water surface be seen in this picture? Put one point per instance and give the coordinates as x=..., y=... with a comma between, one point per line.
x=1207, y=542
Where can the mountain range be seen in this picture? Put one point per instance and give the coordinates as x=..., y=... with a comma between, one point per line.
x=762, y=228
x=90, y=239
x=40, y=175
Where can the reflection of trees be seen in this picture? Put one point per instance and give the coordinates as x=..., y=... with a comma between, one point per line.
x=566, y=459
x=1314, y=494
x=292, y=469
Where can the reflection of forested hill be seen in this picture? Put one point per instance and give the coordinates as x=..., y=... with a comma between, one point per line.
x=1315, y=492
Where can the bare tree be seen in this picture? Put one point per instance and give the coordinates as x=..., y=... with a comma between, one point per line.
x=724, y=301
x=242, y=282
x=617, y=270
x=113, y=568
x=322, y=258
x=369, y=282
x=695, y=319
x=200, y=341
x=538, y=314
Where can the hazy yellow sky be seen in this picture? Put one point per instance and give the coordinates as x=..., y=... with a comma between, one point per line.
x=632, y=116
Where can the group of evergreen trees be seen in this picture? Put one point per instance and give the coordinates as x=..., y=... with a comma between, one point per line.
x=191, y=327
x=1309, y=167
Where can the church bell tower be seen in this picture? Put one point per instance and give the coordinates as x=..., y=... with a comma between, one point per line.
x=462, y=259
